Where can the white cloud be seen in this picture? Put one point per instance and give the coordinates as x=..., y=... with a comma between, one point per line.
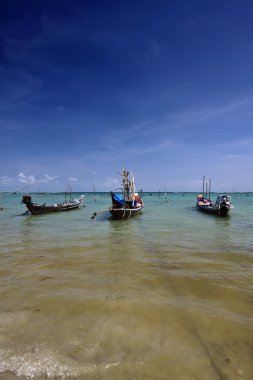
x=22, y=178
x=5, y=180
x=233, y=156
x=72, y=179
x=26, y=179
x=47, y=178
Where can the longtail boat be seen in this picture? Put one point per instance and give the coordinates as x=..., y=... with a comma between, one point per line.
x=221, y=206
x=37, y=209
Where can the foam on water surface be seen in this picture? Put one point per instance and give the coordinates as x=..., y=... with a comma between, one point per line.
x=39, y=362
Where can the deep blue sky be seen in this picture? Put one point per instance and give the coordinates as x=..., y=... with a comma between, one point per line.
x=162, y=88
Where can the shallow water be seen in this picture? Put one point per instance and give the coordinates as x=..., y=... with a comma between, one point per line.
x=165, y=295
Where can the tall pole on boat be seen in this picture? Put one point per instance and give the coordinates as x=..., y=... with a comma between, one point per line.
x=209, y=188
x=133, y=189
x=126, y=184
x=204, y=185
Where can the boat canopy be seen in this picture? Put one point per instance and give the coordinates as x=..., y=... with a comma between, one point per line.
x=119, y=198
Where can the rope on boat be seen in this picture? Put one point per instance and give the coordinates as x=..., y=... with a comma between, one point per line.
x=15, y=191
x=100, y=212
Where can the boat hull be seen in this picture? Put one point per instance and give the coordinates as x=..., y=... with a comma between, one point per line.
x=41, y=209
x=37, y=209
x=129, y=203
x=220, y=211
x=124, y=212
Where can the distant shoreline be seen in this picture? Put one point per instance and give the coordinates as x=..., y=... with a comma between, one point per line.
x=141, y=192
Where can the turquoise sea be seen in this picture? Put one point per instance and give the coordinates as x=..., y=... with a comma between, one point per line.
x=167, y=295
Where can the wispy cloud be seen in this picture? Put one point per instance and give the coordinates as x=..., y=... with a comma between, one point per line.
x=22, y=179
x=111, y=183
x=196, y=116
x=72, y=179
x=47, y=178
x=17, y=85
x=6, y=181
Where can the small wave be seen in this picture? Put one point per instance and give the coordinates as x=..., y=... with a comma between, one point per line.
x=39, y=362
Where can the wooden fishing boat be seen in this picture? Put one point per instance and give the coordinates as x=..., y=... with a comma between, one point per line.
x=129, y=203
x=37, y=209
x=221, y=206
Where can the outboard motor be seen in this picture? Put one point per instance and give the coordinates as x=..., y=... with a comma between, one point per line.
x=27, y=199
x=224, y=205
